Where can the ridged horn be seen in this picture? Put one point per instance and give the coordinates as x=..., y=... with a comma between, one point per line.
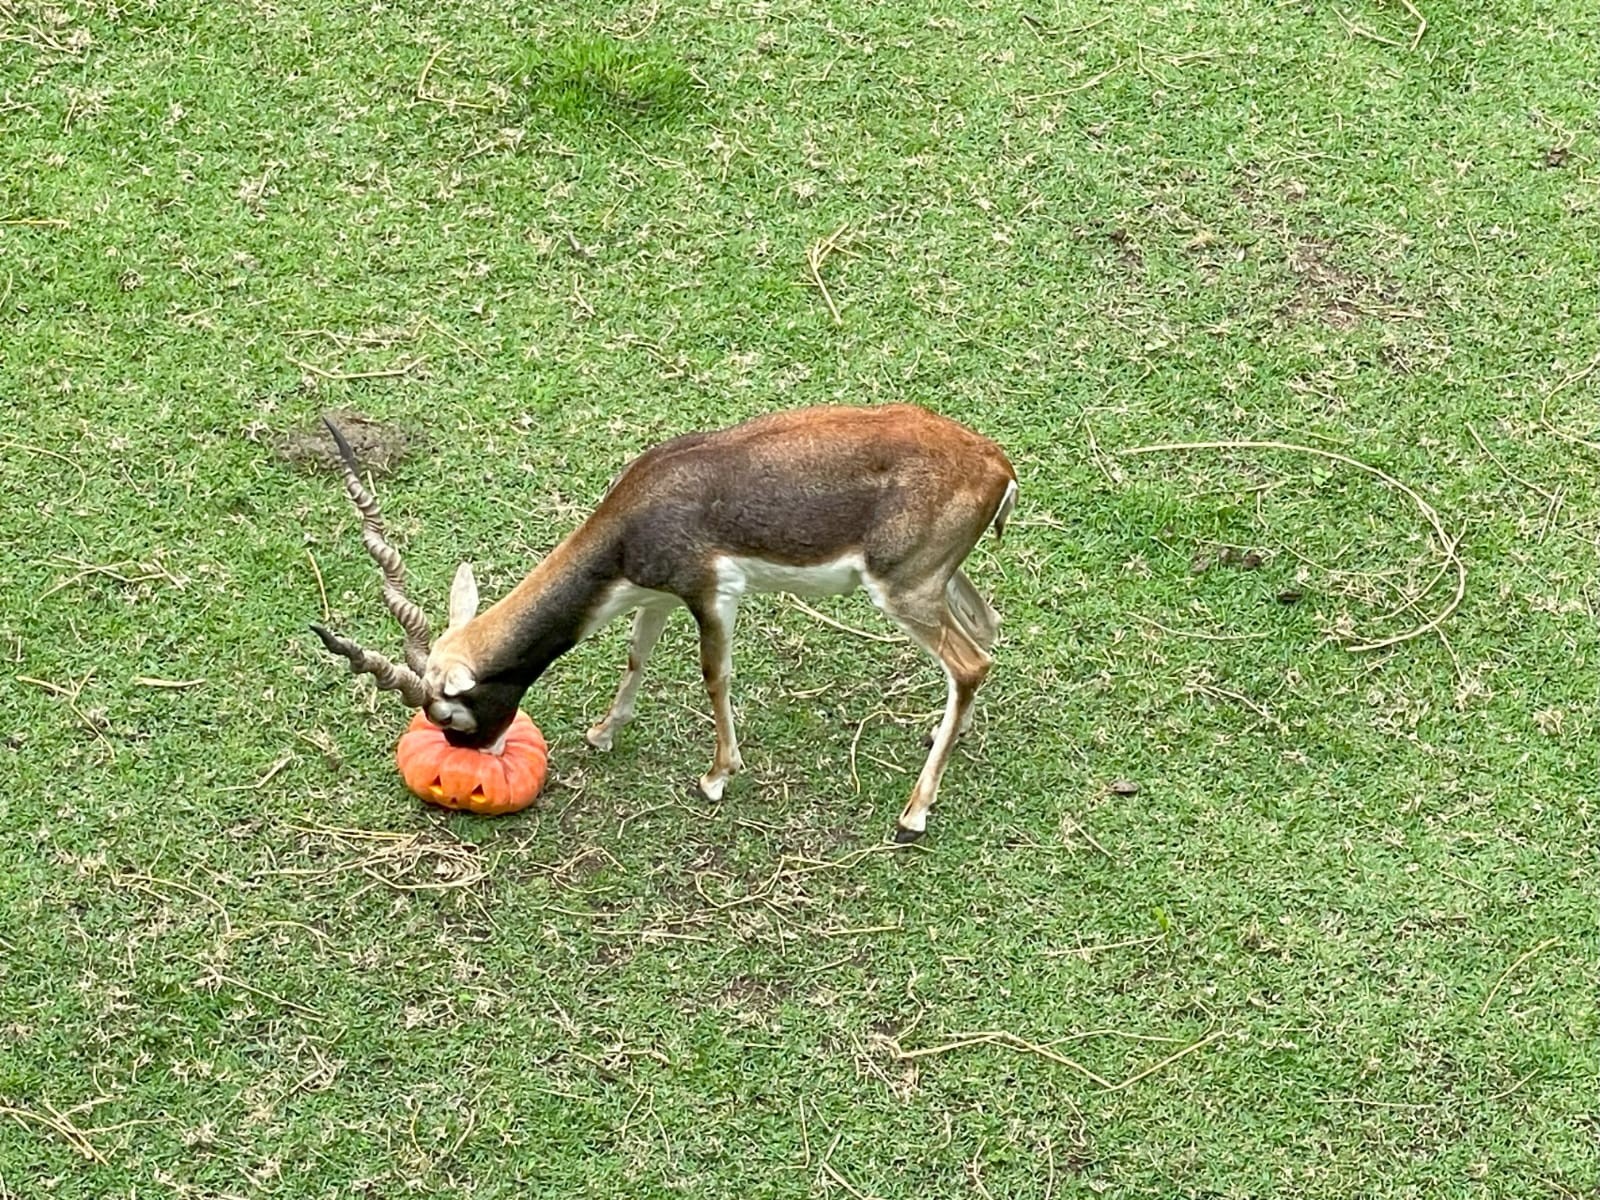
x=390, y=676
x=411, y=618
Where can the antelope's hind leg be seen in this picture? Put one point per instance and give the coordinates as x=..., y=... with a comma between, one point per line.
x=648, y=622
x=979, y=621
x=976, y=614
x=935, y=627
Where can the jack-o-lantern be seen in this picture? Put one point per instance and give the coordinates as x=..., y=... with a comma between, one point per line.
x=474, y=780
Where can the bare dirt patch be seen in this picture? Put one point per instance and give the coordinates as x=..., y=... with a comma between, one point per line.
x=1327, y=290
x=1328, y=286
x=379, y=446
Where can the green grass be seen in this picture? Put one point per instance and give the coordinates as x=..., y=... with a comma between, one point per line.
x=1371, y=875
x=599, y=79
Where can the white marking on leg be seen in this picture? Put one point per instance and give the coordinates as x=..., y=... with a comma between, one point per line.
x=719, y=683
x=966, y=721
x=914, y=818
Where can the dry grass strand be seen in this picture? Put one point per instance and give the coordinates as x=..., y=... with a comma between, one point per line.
x=1507, y=973
x=404, y=367
x=266, y=778
x=1575, y=377
x=427, y=97
x=322, y=589
x=1011, y=1041
x=146, y=884
x=816, y=255
x=890, y=639
x=27, y=448
x=74, y=1137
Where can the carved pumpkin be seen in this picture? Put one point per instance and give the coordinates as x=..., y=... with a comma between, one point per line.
x=475, y=780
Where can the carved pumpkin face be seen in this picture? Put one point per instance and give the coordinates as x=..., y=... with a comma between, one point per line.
x=474, y=780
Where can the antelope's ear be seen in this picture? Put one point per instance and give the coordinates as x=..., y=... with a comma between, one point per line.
x=463, y=597
x=459, y=679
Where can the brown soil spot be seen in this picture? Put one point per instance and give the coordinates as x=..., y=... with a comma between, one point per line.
x=1341, y=297
x=379, y=446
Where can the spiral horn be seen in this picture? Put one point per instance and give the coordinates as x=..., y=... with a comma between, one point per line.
x=411, y=617
x=390, y=676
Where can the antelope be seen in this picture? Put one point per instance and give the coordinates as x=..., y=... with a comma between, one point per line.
x=816, y=501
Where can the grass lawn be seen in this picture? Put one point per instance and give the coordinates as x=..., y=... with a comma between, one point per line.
x=1341, y=940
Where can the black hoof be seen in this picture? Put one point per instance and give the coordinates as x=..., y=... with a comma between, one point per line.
x=905, y=837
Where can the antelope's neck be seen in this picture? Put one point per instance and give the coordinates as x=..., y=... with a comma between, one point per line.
x=552, y=609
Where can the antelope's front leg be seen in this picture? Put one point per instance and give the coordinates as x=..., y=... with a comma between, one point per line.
x=716, y=665
x=647, y=625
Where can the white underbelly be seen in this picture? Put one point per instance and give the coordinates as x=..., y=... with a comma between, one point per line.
x=623, y=597
x=736, y=575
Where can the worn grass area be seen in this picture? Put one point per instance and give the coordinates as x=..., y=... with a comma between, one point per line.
x=1358, y=886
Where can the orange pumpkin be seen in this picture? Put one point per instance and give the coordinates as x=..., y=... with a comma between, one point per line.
x=475, y=780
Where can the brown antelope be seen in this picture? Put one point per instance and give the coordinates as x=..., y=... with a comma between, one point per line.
x=817, y=501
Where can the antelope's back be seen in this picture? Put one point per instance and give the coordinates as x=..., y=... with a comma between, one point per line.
x=808, y=484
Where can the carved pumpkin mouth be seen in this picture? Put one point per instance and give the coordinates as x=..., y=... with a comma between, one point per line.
x=436, y=792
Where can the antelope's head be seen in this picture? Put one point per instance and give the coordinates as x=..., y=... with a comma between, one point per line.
x=465, y=696
x=446, y=679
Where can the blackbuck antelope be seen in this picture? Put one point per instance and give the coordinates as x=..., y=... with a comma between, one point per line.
x=818, y=501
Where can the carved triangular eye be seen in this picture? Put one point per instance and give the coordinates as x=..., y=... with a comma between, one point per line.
x=463, y=597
